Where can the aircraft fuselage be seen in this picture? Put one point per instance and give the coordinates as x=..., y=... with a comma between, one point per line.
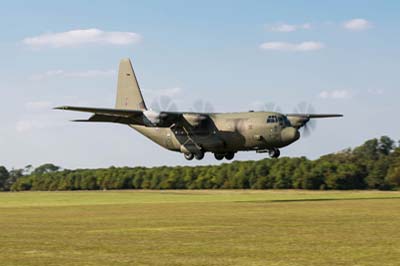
x=224, y=133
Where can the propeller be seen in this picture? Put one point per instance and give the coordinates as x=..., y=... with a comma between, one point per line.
x=309, y=125
x=160, y=104
x=164, y=103
x=201, y=106
x=268, y=107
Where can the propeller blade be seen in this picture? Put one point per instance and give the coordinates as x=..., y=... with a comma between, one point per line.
x=306, y=131
x=198, y=106
x=307, y=111
x=201, y=106
x=155, y=106
x=268, y=107
x=209, y=108
x=164, y=103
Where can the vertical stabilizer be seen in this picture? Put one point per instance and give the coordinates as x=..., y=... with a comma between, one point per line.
x=129, y=95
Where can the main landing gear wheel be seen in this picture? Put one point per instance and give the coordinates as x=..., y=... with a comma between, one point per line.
x=189, y=156
x=275, y=153
x=229, y=156
x=199, y=156
x=219, y=157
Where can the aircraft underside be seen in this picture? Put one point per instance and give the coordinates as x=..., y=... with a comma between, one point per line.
x=224, y=145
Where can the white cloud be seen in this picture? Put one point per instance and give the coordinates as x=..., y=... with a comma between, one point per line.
x=357, y=24
x=283, y=27
x=74, y=74
x=376, y=91
x=80, y=37
x=335, y=94
x=292, y=47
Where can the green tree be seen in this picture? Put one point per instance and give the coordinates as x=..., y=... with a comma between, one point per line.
x=13, y=177
x=386, y=145
x=4, y=175
x=348, y=176
x=46, y=168
x=393, y=176
x=368, y=151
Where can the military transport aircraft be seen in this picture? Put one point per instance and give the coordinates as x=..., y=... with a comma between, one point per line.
x=194, y=134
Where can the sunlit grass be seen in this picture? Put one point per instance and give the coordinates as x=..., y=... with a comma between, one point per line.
x=200, y=228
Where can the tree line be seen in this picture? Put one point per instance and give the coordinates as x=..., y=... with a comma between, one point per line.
x=373, y=165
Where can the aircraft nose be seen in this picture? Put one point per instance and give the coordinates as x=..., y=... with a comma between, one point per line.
x=290, y=134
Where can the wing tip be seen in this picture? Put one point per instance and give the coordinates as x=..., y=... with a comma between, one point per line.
x=80, y=120
x=61, y=108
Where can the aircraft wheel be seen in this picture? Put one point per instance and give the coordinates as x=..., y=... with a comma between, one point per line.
x=219, y=156
x=189, y=156
x=275, y=153
x=199, y=156
x=230, y=155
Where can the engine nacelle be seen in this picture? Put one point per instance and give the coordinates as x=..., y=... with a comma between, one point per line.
x=153, y=118
x=194, y=120
x=298, y=121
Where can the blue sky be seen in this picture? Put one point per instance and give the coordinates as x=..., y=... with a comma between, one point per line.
x=341, y=56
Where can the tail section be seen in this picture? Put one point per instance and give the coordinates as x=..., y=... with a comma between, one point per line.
x=129, y=95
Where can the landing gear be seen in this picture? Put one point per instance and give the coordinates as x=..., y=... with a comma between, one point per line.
x=275, y=153
x=229, y=156
x=189, y=156
x=219, y=156
x=199, y=156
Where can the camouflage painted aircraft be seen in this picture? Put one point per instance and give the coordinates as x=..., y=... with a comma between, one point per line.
x=194, y=134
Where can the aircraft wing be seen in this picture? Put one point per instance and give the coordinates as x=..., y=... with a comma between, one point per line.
x=125, y=116
x=313, y=116
x=301, y=120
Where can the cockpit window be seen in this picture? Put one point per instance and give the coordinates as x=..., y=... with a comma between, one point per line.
x=272, y=119
x=282, y=120
x=287, y=122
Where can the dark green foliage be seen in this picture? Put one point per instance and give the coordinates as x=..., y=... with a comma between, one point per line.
x=374, y=165
x=4, y=175
x=46, y=168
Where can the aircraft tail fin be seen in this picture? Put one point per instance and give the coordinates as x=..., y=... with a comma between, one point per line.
x=129, y=95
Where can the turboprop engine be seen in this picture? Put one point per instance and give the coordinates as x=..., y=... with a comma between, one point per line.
x=298, y=121
x=154, y=118
x=194, y=120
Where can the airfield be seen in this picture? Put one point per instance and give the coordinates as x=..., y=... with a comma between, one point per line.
x=200, y=228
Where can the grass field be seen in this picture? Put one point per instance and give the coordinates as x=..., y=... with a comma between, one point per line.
x=200, y=228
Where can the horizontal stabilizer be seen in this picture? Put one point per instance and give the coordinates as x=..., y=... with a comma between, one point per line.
x=128, y=117
x=104, y=111
x=110, y=119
